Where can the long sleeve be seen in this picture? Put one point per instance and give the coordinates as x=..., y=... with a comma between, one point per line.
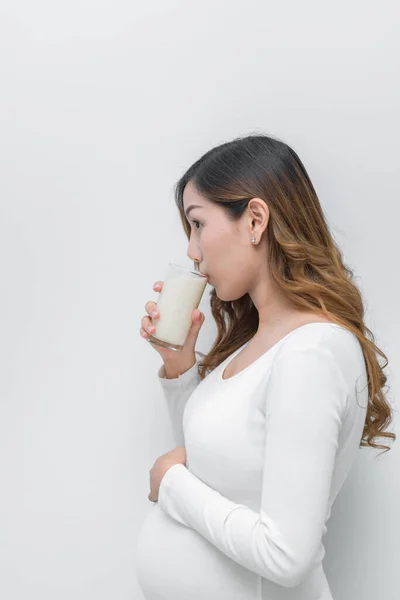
x=177, y=392
x=305, y=403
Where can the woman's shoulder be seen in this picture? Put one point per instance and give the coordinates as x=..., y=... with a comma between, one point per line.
x=321, y=334
x=325, y=340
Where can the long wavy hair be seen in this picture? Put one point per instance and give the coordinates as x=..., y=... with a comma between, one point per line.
x=304, y=260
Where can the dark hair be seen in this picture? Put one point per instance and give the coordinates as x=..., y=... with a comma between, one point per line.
x=304, y=261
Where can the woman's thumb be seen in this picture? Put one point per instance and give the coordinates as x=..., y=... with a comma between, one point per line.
x=197, y=322
x=198, y=318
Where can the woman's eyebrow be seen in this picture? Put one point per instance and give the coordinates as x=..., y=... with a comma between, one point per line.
x=191, y=207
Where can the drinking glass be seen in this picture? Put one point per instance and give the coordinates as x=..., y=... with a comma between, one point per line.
x=181, y=293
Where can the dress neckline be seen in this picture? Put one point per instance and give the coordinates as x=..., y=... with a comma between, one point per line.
x=225, y=363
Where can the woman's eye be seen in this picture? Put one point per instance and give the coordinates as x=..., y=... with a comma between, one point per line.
x=196, y=222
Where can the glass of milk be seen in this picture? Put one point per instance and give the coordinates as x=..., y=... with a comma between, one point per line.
x=181, y=293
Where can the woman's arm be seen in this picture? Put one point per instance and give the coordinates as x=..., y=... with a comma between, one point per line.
x=177, y=392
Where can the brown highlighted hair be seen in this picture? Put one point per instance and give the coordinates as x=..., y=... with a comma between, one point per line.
x=304, y=260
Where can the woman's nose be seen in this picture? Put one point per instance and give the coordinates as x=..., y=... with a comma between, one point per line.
x=195, y=259
x=193, y=253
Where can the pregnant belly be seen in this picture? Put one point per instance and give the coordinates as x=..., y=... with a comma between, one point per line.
x=174, y=562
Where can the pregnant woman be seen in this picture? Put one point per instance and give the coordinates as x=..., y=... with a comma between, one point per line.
x=268, y=423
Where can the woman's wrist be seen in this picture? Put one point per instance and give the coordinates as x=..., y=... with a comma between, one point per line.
x=173, y=370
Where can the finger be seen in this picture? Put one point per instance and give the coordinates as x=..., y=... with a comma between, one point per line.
x=144, y=333
x=147, y=325
x=150, y=308
x=197, y=322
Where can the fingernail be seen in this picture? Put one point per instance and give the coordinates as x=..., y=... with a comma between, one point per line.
x=153, y=314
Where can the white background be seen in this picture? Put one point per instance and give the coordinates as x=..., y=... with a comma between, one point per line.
x=103, y=105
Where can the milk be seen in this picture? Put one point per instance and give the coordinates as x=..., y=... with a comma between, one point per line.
x=180, y=295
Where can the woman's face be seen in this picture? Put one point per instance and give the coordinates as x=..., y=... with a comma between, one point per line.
x=222, y=247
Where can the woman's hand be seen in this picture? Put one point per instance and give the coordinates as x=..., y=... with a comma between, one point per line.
x=161, y=466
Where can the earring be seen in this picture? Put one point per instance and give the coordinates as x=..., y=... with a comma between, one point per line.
x=253, y=240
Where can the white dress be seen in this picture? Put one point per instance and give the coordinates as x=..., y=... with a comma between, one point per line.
x=268, y=450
